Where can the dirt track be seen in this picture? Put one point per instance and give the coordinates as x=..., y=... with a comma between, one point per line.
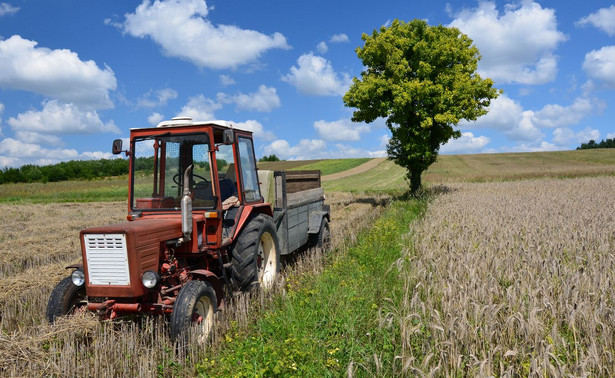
x=356, y=170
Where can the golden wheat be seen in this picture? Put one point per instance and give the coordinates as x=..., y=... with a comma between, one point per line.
x=511, y=278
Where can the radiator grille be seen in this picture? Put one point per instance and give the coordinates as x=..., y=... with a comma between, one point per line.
x=107, y=259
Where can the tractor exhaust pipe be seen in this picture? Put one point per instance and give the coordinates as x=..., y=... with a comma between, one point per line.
x=186, y=206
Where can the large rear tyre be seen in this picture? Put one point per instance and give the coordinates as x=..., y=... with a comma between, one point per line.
x=256, y=255
x=194, y=311
x=65, y=299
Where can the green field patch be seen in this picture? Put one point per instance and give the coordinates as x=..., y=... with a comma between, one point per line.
x=327, y=321
x=331, y=166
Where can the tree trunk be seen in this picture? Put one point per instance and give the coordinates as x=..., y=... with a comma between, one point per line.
x=415, y=181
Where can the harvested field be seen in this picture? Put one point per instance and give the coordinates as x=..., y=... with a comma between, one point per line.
x=511, y=278
x=41, y=239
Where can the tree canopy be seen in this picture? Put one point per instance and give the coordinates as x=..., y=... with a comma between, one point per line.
x=422, y=79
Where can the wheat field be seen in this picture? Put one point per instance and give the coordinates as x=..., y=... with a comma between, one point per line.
x=511, y=279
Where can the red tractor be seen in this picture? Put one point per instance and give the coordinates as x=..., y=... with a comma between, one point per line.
x=202, y=222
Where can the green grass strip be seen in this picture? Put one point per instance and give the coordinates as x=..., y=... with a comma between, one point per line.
x=328, y=320
x=328, y=167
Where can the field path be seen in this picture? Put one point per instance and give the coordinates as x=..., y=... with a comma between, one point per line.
x=353, y=171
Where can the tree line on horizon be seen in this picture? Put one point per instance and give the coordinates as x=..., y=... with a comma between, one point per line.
x=604, y=143
x=68, y=170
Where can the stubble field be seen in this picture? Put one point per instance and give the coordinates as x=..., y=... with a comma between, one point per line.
x=41, y=239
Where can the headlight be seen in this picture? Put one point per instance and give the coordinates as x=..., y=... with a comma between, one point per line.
x=78, y=277
x=150, y=279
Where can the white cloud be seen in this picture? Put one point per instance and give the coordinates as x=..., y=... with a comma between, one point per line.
x=315, y=76
x=509, y=117
x=566, y=137
x=264, y=100
x=600, y=65
x=339, y=38
x=54, y=73
x=384, y=140
x=322, y=47
x=159, y=97
x=256, y=127
x=539, y=147
x=57, y=118
x=182, y=30
x=155, y=118
x=554, y=115
x=603, y=19
x=200, y=108
x=14, y=153
x=226, y=80
x=38, y=138
x=1, y=111
x=305, y=149
x=341, y=130
x=466, y=144
x=516, y=46
x=7, y=9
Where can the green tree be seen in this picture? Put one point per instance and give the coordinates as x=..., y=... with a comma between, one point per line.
x=269, y=158
x=422, y=79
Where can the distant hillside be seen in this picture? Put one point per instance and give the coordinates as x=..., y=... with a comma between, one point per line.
x=484, y=167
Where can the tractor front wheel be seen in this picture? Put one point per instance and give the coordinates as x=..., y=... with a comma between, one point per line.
x=256, y=255
x=195, y=306
x=66, y=298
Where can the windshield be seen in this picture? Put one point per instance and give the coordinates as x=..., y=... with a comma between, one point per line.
x=158, y=168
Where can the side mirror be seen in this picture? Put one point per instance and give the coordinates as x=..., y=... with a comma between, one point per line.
x=228, y=137
x=117, y=147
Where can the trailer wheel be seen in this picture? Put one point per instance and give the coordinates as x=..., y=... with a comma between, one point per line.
x=195, y=306
x=256, y=255
x=66, y=298
x=323, y=238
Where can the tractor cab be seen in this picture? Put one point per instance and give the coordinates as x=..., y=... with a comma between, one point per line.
x=204, y=165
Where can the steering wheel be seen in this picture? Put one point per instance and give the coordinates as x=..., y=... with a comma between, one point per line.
x=177, y=179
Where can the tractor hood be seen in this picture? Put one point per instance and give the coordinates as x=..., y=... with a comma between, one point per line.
x=115, y=256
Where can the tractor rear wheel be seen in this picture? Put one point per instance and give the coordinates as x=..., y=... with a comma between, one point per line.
x=256, y=255
x=66, y=298
x=195, y=306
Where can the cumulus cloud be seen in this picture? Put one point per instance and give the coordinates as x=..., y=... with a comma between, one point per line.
x=58, y=118
x=264, y=100
x=182, y=30
x=566, y=137
x=226, y=80
x=304, y=150
x=58, y=73
x=600, y=65
x=6, y=8
x=155, y=118
x=341, y=130
x=554, y=115
x=603, y=19
x=322, y=47
x=159, y=97
x=525, y=126
x=33, y=137
x=339, y=38
x=315, y=76
x=466, y=144
x=14, y=153
x=200, y=108
x=518, y=45
x=256, y=127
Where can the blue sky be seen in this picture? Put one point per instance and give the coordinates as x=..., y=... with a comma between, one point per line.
x=74, y=75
